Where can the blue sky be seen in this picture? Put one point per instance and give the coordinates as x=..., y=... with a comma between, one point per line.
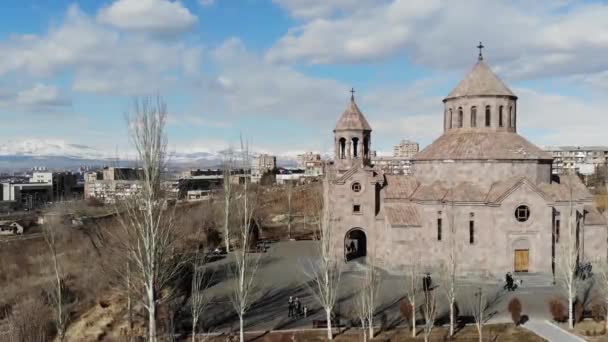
x=279, y=71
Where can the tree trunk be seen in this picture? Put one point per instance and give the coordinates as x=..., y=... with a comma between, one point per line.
x=570, y=308
x=330, y=334
x=451, y=318
x=606, y=317
x=241, y=334
x=226, y=224
x=151, y=316
x=194, y=322
x=413, y=318
x=371, y=328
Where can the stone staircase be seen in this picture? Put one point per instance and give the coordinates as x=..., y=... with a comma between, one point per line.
x=533, y=280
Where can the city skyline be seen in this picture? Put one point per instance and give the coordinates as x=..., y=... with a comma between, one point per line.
x=279, y=72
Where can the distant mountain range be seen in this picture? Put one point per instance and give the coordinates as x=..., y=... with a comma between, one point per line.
x=56, y=154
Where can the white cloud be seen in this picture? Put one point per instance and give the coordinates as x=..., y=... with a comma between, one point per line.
x=206, y=2
x=156, y=16
x=246, y=84
x=323, y=8
x=523, y=39
x=102, y=60
x=561, y=120
x=41, y=95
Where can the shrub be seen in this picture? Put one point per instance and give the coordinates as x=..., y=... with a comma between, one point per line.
x=598, y=312
x=515, y=310
x=558, y=310
x=578, y=312
x=406, y=310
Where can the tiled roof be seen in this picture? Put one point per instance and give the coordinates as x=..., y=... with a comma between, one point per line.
x=569, y=187
x=594, y=217
x=435, y=191
x=352, y=119
x=400, y=186
x=472, y=145
x=498, y=189
x=480, y=81
x=402, y=215
x=466, y=192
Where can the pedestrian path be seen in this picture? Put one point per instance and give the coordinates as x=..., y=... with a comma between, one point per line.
x=551, y=332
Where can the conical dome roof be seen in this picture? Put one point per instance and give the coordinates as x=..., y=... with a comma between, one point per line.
x=352, y=119
x=480, y=81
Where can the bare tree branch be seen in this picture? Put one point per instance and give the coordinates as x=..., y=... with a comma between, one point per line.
x=326, y=271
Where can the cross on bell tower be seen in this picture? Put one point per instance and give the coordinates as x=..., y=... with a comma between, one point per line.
x=480, y=47
x=352, y=94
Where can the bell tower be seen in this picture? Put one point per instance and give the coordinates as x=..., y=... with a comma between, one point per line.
x=352, y=138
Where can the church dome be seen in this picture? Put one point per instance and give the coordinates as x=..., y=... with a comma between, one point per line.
x=481, y=81
x=352, y=119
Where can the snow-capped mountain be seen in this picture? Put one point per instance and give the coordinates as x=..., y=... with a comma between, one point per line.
x=49, y=148
x=55, y=153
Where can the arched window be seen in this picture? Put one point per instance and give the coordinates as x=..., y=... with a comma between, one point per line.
x=355, y=147
x=473, y=116
x=366, y=147
x=460, y=117
x=342, y=148
x=450, y=119
x=511, y=116
x=500, y=123
x=488, y=116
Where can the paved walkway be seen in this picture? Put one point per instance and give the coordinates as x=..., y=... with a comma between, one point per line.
x=551, y=332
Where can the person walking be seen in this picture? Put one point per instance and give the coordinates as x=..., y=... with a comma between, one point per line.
x=290, y=302
x=305, y=311
x=298, y=307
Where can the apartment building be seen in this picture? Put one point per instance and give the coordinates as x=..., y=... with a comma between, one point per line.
x=577, y=159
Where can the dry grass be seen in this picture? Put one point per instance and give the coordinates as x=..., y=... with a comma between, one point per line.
x=601, y=201
x=591, y=330
x=89, y=262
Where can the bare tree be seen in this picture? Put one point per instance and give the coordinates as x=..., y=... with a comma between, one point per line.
x=567, y=261
x=448, y=269
x=146, y=216
x=326, y=272
x=246, y=263
x=411, y=282
x=361, y=308
x=371, y=286
x=601, y=268
x=200, y=283
x=476, y=305
x=429, y=310
x=289, y=209
x=228, y=167
x=57, y=292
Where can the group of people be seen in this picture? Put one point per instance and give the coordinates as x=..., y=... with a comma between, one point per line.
x=510, y=282
x=296, y=309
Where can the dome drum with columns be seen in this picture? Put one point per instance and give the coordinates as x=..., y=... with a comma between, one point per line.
x=504, y=207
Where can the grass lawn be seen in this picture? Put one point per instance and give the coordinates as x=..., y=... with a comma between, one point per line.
x=494, y=332
x=591, y=330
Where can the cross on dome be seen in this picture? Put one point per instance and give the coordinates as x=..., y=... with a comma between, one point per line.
x=352, y=94
x=480, y=47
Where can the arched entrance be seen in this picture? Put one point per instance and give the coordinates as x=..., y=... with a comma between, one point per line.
x=355, y=244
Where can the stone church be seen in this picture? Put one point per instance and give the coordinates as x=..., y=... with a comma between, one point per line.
x=479, y=186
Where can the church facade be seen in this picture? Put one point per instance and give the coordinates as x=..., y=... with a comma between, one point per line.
x=479, y=187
